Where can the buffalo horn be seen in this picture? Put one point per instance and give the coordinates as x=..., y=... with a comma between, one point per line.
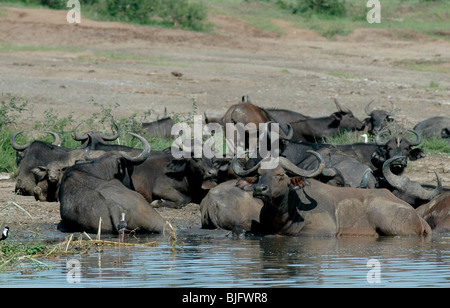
x=401, y=182
x=113, y=137
x=142, y=156
x=76, y=137
x=291, y=167
x=17, y=146
x=366, y=109
x=340, y=108
x=378, y=137
x=239, y=170
x=418, y=137
x=57, y=140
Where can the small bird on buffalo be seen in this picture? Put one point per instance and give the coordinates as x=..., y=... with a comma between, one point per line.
x=4, y=234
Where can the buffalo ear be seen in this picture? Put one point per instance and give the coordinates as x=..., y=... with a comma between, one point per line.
x=176, y=166
x=298, y=182
x=416, y=153
x=40, y=172
x=246, y=184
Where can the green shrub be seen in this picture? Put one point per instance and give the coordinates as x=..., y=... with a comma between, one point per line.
x=172, y=13
x=322, y=7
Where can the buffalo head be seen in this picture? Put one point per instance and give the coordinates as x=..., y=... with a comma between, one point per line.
x=271, y=182
x=398, y=146
x=345, y=119
x=200, y=170
x=378, y=119
x=91, y=139
x=21, y=149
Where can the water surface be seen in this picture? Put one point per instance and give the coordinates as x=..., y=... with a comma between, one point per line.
x=211, y=259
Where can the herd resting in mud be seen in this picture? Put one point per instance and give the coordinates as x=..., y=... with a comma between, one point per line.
x=316, y=189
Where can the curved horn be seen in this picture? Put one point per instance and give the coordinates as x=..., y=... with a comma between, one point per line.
x=17, y=146
x=239, y=170
x=397, y=181
x=418, y=140
x=365, y=179
x=340, y=108
x=78, y=138
x=404, y=184
x=142, y=156
x=290, y=132
x=378, y=137
x=57, y=140
x=366, y=109
x=113, y=137
x=393, y=108
x=289, y=166
x=426, y=194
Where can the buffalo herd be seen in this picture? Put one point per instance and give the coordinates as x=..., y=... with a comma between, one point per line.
x=316, y=188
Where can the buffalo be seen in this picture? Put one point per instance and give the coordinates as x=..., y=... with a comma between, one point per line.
x=378, y=119
x=166, y=181
x=103, y=188
x=438, y=127
x=373, y=155
x=230, y=206
x=159, y=128
x=437, y=213
x=295, y=205
x=318, y=129
x=47, y=181
x=21, y=150
x=40, y=153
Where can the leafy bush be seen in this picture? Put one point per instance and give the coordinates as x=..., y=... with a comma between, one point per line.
x=176, y=13
x=323, y=7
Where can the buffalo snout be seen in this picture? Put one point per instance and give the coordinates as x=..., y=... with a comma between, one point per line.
x=261, y=190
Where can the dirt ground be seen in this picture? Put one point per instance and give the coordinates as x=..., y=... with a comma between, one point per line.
x=66, y=67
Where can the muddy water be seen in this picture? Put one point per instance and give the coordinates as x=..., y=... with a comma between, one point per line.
x=211, y=259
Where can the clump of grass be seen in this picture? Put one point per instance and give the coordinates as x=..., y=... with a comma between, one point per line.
x=435, y=145
x=348, y=137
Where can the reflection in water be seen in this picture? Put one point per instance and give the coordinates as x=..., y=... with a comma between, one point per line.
x=210, y=259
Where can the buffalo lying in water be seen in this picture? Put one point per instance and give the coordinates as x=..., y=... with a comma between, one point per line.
x=103, y=188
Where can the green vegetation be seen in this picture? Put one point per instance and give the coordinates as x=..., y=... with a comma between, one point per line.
x=329, y=18
x=16, y=113
x=166, y=13
x=435, y=145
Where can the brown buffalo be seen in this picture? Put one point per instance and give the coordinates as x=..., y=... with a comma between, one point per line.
x=437, y=213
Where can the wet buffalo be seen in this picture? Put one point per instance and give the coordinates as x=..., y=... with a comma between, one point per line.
x=103, y=188
x=294, y=205
x=437, y=213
